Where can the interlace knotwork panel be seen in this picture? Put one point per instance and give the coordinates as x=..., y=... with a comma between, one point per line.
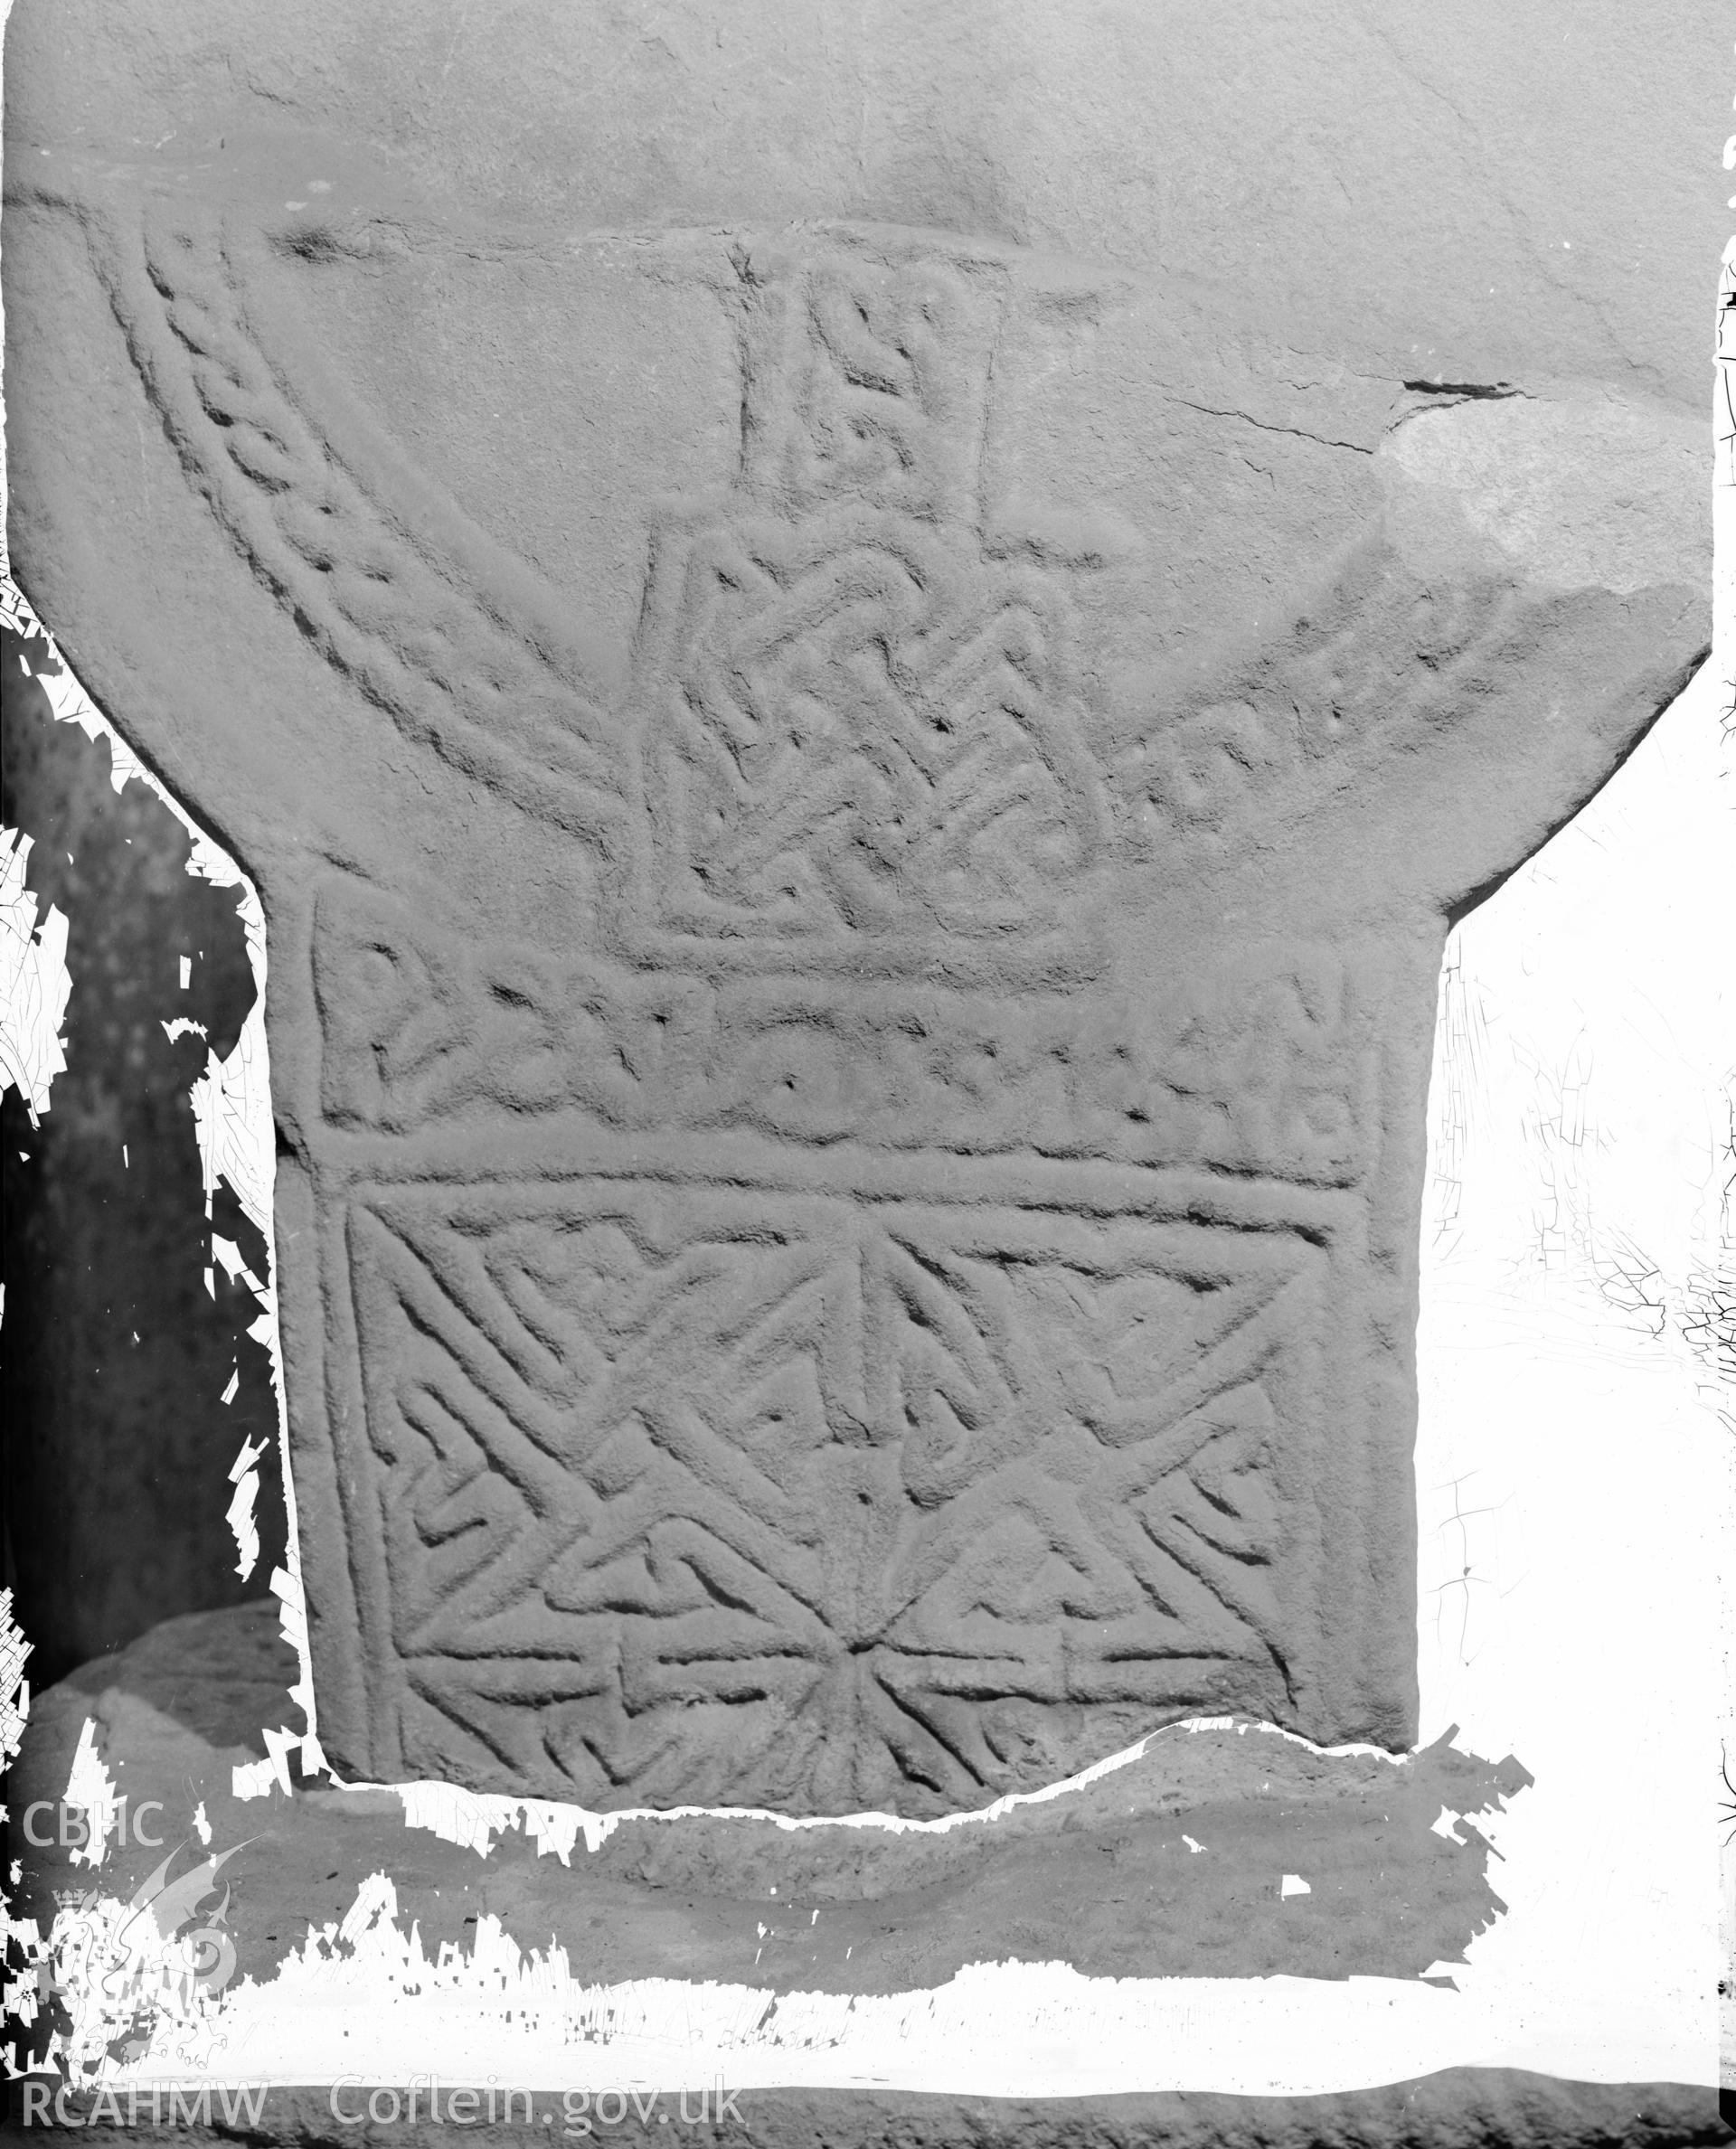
x=766, y=1497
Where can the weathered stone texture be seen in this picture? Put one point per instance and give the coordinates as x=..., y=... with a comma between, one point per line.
x=858, y=780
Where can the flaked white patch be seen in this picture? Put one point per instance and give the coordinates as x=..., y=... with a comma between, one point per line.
x=228, y=1101
x=90, y=1789
x=1580, y=495
x=472, y=1819
x=259, y=1779
x=14, y=1688
x=495, y=2012
x=34, y=982
x=245, y=1477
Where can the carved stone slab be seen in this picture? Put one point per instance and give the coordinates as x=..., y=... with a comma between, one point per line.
x=857, y=816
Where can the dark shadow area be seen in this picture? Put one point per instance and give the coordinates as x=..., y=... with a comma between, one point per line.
x=117, y=1350
x=222, y=1677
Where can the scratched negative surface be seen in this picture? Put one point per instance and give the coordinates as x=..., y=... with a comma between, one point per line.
x=904, y=1279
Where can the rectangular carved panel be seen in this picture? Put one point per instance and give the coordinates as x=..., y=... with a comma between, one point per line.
x=757, y=1496
x=1260, y=1061
x=861, y=729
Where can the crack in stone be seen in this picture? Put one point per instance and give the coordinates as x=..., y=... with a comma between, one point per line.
x=1211, y=410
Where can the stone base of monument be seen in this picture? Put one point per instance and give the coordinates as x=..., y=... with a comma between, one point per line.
x=1183, y=1862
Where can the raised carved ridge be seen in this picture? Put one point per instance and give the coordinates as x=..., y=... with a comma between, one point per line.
x=1377, y=661
x=471, y=675
x=1258, y=1063
x=757, y=1498
x=863, y=725
x=859, y=728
